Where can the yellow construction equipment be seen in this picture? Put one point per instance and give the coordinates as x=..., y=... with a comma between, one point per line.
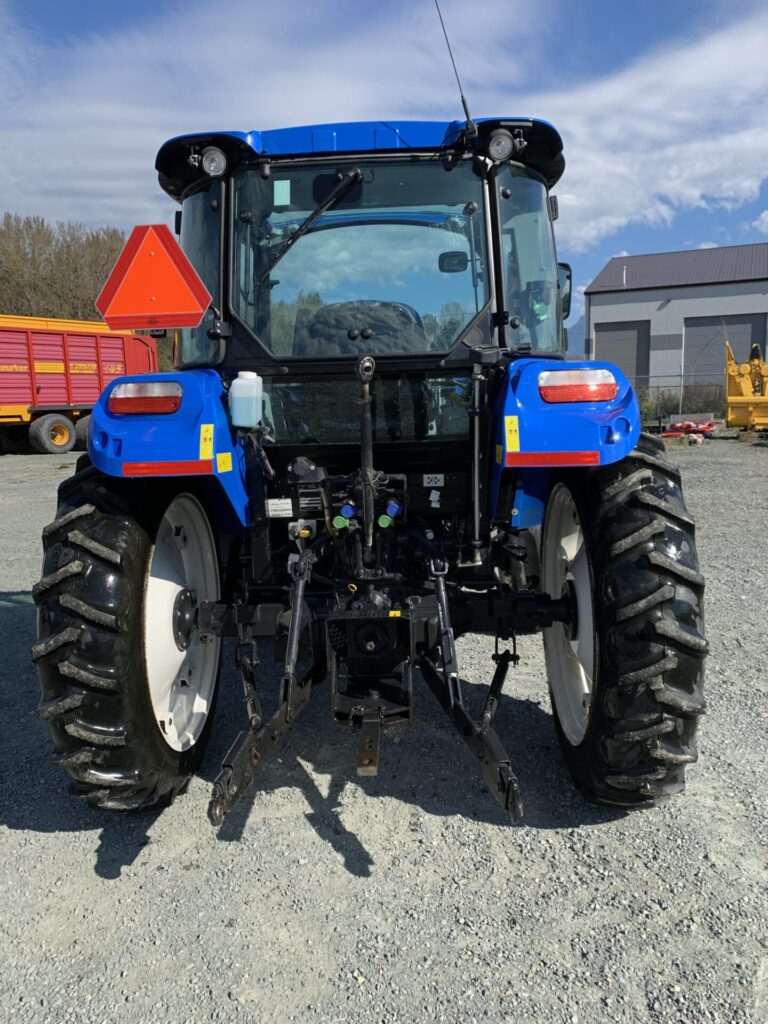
x=746, y=390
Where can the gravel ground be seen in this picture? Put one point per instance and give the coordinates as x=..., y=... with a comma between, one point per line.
x=326, y=898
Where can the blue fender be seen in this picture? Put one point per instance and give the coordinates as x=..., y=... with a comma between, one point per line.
x=195, y=441
x=533, y=437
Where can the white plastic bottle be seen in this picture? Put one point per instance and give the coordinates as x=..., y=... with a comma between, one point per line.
x=245, y=399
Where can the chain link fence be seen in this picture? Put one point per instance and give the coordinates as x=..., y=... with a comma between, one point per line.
x=676, y=396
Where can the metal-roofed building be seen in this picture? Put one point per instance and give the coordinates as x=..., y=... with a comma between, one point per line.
x=663, y=318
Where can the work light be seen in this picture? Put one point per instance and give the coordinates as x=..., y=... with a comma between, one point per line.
x=214, y=161
x=500, y=145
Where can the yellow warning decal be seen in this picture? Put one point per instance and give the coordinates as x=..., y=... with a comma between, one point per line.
x=394, y=614
x=49, y=367
x=499, y=453
x=513, y=433
x=206, y=441
x=223, y=462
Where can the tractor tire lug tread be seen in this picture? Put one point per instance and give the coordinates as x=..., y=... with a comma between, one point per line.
x=646, y=672
x=93, y=547
x=96, y=736
x=669, y=510
x=661, y=594
x=671, y=631
x=45, y=647
x=661, y=464
x=66, y=520
x=623, y=486
x=634, y=735
x=73, y=568
x=58, y=706
x=669, y=565
x=671, y=755
x=89, y=679
x=88, y=611
x=639, y=537
x=96, y=775
x=683, y=703
x=649, y=614
x=90, y=647
x=73, y=758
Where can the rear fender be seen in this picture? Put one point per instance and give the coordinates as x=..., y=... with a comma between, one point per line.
x=196, y=442
x=532, y=437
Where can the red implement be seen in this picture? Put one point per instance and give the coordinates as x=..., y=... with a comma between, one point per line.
x=63, y=365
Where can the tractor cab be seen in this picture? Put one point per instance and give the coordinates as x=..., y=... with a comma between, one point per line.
x=411, y=244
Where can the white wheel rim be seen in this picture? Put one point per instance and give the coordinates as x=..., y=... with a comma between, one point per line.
x=181, y=681
x=570, y=656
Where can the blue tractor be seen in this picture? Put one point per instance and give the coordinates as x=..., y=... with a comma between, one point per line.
x=371, y=445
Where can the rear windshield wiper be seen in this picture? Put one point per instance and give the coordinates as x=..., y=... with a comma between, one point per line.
x=338, y=192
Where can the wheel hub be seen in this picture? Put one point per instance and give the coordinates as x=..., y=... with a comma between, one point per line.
x=571, y=624
x=184, y=618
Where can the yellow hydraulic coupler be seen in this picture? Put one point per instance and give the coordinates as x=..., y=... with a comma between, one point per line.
x=746, y=388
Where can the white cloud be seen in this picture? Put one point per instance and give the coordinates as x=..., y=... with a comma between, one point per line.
x=762, y=223
x=577, y=303
x=80, y=140
x=682, y=127
x=707, y=245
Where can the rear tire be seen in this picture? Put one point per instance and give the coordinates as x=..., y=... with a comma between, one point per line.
x=627, y=682
x=52, y=434
x=128, y=706
x=81, y=433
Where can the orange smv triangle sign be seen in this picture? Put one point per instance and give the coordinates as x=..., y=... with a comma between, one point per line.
x=153, y=284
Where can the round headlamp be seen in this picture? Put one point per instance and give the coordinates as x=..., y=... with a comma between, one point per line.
x=500, y=145
x=214, y=162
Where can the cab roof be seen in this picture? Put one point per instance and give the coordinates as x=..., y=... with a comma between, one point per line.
x=542, y=152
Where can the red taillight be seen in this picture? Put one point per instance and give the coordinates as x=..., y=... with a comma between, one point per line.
x=153, y=396
x=578, y=386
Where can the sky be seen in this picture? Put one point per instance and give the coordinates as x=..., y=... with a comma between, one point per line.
x=662, y=104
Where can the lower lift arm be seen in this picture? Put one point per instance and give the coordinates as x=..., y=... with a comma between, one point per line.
x=250, y=747
x=480, y=737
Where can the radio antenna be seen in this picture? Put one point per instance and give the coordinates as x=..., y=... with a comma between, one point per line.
x=471, y=126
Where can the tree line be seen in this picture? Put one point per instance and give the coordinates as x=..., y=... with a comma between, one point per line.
x=54, y=269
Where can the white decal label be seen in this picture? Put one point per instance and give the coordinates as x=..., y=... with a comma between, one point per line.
x=434, y=480
x=279, y=508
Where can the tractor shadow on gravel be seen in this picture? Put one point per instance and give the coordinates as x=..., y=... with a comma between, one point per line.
x=35, y=795
x=425, y=765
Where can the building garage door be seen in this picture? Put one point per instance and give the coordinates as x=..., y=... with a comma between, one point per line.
x=627, y=344
x=705, y=342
